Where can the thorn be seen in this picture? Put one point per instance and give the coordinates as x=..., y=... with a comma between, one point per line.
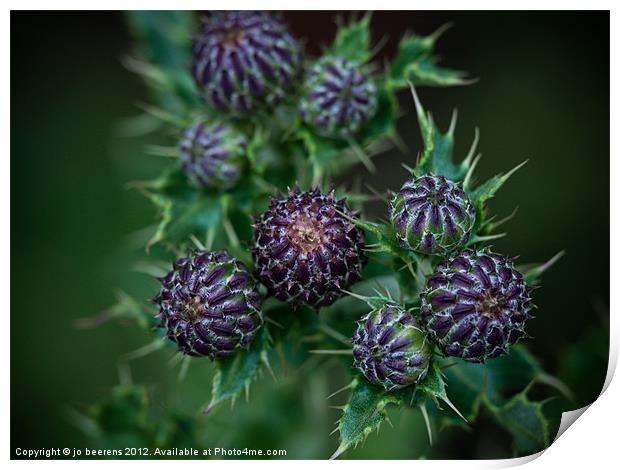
x=339, y=451
x=343, y=352
x=408, y=168
x=268, y=365
x=346, y=387
x=398, y=142
x=124, y=374
x=472, y=150
x=377, y=193
x=427, y=421
x=505, y=219
x=361, y=155
x=514, y=170
x=418, y=106
x=552, y=261
x=357, y=296
x=230, y=233
x=94, y=321
x=455, y=115
x=328, y=330
x=486, y=238
x=454, y=408
x=184, y=368
x=335, y=429
x=175, y=359
x=149, y=348
x=209, y=408
x=273, y=322
x=470, y=171
x=439, y=31
x=377, y=47
x=528, y=387
x=197, y=242
x=556, y=383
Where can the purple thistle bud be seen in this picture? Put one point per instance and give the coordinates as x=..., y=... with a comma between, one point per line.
x=306, y=249
x=209, y=304
x=475, y=305
x=214, y=155
x=244, y=60
x=339, y=98
x=390, y=348
x=432, y=215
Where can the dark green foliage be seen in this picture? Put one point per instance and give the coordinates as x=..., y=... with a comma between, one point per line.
x=235, y=374
x=128, y=419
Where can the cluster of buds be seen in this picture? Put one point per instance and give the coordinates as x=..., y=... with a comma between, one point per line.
x=306, y=248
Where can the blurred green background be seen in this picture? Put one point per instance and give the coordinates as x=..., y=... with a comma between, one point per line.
x=542, y=94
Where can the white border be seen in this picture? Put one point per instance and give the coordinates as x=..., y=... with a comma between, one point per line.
x=593, y=442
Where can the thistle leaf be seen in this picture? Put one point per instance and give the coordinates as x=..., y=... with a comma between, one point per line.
x=163, y=37
x=126, y=408
x=489, y=385
x=187, y=211
x=236, y=373
x=486, y=191
x=163, y=41
x=416, y=63
x=363, y=414
x=437, y=157
x=127, y=418
x=525, y=421
x=435, y=387
x=184, y=210
x=352, y=42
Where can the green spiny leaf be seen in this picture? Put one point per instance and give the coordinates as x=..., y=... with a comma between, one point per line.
x=473, y=385
x=236, y=373
x=435, y=387
x=127, y=418
x=526, y=423
x=486, y=191
x=437, y=156
x=126, y=407
x=352, y=42
x=186, y=210
x=363, y=414
x=417, y=64
x=164, y=44
x=163, y=37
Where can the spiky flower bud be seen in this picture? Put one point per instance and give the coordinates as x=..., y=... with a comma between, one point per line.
x=244, y=60
x=306, y=249
x=339, y=97
x=432, y=215
x=213, y=155
x=390, y=349
x=209, y=304
x=475, y=305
